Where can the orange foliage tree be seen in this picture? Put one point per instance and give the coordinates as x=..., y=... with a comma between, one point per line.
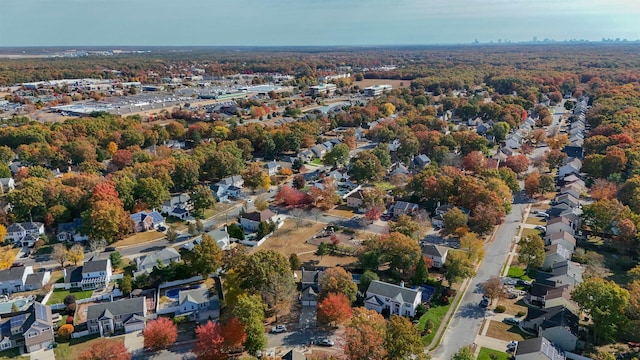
x=210, y=344
x=334, y=309
x=104, y=349
x=160, y=334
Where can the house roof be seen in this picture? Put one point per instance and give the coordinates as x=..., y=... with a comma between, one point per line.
x=73, y=274
x=399, y=293
x=405, y=206
x=563, y=317
x=539, y=345
x=166, y=254
x=120, y=307
x=259, y=216
x=559, y=220
x=17, y=227
x=558, y=249
x=435, y=250
x=198, y=296
x=356, y=195
x=142, y=215
x=35, y=279
x=294, y=355
x=177, y=199
x=422, y=160
x=310, y=277
x=10, y=274
x=70, y=226
x=95, y=266
x=562, y=235
x=572, y=200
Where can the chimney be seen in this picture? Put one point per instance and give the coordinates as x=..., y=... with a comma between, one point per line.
x=401, y=283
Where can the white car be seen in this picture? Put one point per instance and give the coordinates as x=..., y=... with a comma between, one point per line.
x=512, y=346
x=278, y=329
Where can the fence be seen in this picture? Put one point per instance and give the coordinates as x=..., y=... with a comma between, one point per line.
x=79, y=334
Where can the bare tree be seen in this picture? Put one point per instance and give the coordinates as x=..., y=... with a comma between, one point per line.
x=297, y=216
x=97, y=245
x=60, y=254
x=493, y=288
x=315, y=213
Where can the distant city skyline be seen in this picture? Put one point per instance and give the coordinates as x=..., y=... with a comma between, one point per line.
x=311, y=22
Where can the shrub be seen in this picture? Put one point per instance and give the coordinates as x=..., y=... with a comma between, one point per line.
x=179, y=319
x=500, y=309
x=521, y=314
x=69, y=319
x=420, y=310
x=69, y=299
x=71, y=308
x=65, y=331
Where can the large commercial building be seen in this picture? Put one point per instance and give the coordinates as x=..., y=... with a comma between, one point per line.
x=322, y=89
x=376, y=90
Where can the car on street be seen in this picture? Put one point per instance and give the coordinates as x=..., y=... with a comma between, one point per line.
x=278, y=329
x=109, y=248
x=161, y=228
x=484, y=303
x=511, y=321
x=512, y=346
x=326, y=342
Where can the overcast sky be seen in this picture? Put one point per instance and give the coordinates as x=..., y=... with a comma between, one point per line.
x=310, y=22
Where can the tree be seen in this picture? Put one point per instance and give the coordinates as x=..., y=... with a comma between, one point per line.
x=334, y=309
x=210, y=342
x=186, y=173
x=493, y=288
x=532, y=184
x=121, y=158
x=291, y=197
x=268, y=273
x=338, y=281
x=261, y=203
x=473, y=246
x=366, y=167
x=546, y=184
x=172, y=234
x=116, y=259
x=557, y=142
x=373, y=202
x=250, y=313
x=454, y=219
x=517, y=163
x=3, y=233
x=603, y=189
x=60, y=254
x=206, y=257
x=337, y=156
x=367, y=277
x=500, y=130
x=381, y=151
x=103, y=349
x=160, y=334
x=152, y=192
x=126, y=284
x=403, y=340
x=421, y=274
x=464, y=353
x=605, y=301
x=474, y=161
x=364, y=337
x=554, y=158
x=457, y=267
x=299, y=182
x=255, y=177
x=76, y=254
x=531, y=251
x=65, y=331
x=235, y=231
x=234, y=335
x=294, y=261
x=405, y=225
x=202, y=199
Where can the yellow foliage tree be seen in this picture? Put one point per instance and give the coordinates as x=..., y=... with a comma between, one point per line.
x=76, y=254
x=112, y=148
x=388, y=109
x=7, y=255
x=3, y=233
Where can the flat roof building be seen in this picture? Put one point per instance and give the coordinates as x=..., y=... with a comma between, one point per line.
x=321, y=89
x=376, y=90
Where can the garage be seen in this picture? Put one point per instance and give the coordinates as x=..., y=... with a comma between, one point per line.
x=309, y=303
x=134, y=327
x=39, y=346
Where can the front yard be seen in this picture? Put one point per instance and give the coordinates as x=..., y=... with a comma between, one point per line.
x=58, y=295
x=489, y=354
x=13, y=354
x=502, y=331
x=73, y=349
x=139, y=238
x=435, y=315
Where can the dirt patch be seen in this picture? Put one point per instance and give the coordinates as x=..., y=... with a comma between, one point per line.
x=81, y=313
x=513, y=306
x=291, y=238
x=139, y=238
x=502, y=331
x=395, y=83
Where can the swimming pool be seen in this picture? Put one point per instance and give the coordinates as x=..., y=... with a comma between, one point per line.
x=5, y=307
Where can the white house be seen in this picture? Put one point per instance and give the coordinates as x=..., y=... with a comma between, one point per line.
x=355, y=199
x=437, y=254
x=272, y=168
x=251, y=221
x=538, y=349
x=394, y=145
x=13, y=279
x=571, y=167
x=192, y=302
x=7, y=185
x=25, y=234
x=398, y=300
x=94, y=274
x=178, y=206
x=165, y=257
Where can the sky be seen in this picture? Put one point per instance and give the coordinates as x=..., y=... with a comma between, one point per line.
x=310, y=22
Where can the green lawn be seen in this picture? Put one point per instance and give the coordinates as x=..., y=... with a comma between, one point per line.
x=489, y=354
x=526, y=232
x=436, y=315
x=12, y=354
x=58, y=295
x=45, y=250
x=519, y=273
x=384, y=185
x=317, y=161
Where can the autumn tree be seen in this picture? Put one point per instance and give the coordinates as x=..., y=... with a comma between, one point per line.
x=404, y=225
x=160, y=334
x=464, y=353
x=185, y=174
x=373, y=202
x=255, y=177
x=206, y=257
x=76, y=254
x=338, y=281
x=202, y=199
x=337, y=156
x=60, y=254
x=397, y=250
x=605, y=301
x=334, y=309
x=365, y=335
x=291, y=197
x=473, y=246
x=105, y=217
x=546, y=184
x=403, y=340
x=531, y=251
x=65, y=331
x=517, y=163
x=558, y=141
x=104, y=349
x=603, y=189
x=493, y=288
x=366, y=167
x=457, y=267
x=210, y=342
x=250, y=313
x=532, y=184
x=554, y=158
x=267, y=273
x=152, y=192
x=474, y=161
x=454, y=219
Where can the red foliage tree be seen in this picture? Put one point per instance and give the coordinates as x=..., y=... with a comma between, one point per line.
x=475, y=161
x=517, y=163
x=291, y=197
x=373, y=214
x=603, y=189
x=105, y=191
x=210, y=344
x=334, y=309
x=122, y=158
x=160, y=334
x=234, y=335
x=104, y=349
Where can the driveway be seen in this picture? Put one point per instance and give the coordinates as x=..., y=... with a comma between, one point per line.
x=47, y=354
x=307, y=317
x=134, y=342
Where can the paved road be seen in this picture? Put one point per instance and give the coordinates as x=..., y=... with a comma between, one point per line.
x=466, y=321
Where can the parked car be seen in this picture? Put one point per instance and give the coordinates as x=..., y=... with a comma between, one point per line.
x=512, y=346
x=523, y=282
x=162, y=228
x=326, y=342
x=542, y=214
x=278, y=329
x=511, y=321
x=541, y=228
x=484, y=303
x=109, y=248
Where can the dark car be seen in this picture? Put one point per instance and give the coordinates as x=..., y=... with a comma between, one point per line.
x=484, y=303
x=162, y=228
x=523, y=282
x=326, y=342
x=109, y=248
x=511, y=321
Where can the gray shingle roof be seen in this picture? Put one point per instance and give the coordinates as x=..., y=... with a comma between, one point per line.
x=197, y=296
x=434, y=250
x=12, y=273
x=387, y=290
x=120, y=307
x=95, y=266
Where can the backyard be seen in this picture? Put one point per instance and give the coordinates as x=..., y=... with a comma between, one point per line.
x=58, y=295
x=75, y=347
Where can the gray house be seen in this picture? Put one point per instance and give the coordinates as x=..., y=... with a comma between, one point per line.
x=32, y=329
x=163, y=257
x=126, y=314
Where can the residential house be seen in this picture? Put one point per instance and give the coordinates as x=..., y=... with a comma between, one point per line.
x=355, y=200
x=548, y=296
x=397, y=299
x=572, y=166
x=514, y=140
x=221, y=237
x=310, y=287
x=483, y=128
x=193, y=302
x=572, y=189
x=394, y=145
x=14, y=279
x=37, y=280
x=26, y=233
x=219, y=193
x=438, y=220
x=538, y=349
x=178, y=206
x=272, y=168
x=251, y=221
x=306, y=155
x=146, y=220
x=31, y=330
x=574, y=150
x=126, y=315
x=93, y=274
x=319, y=151
x=421, y=161
x=558, y=209
x=235, y=180
x=71, y=231
x=164, y=257
x=562, y=273
x=566, y=199
x=561, y=223
x=328, y=144
x=437, y=254
x=554, y=254
x=294, y=355
x=563, y=238
x=7, y=185
x=557, y=324
x=406, y=208
x=573, y=178
x=399, y=169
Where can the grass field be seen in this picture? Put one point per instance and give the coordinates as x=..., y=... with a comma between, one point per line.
x=526, y=232
x=139, y=238
x=502, y=331
x=489, y=354
x=73, y=349
x=436, y=315
x=518, y=273
x=536, y=220
x=58, y=296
